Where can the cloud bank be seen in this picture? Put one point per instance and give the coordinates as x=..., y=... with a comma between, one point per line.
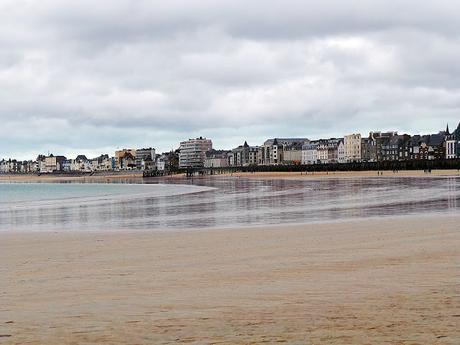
x=89, y=76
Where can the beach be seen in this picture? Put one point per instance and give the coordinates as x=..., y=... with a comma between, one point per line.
x=55, y=178
x=258, y=175
x=392, y=280
x=344, y=174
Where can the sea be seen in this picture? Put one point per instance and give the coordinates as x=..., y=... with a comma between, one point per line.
x=218, y=202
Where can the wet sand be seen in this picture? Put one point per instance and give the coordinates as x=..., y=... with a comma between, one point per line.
x=343, y=174
x=63, y=178
x=384, y=281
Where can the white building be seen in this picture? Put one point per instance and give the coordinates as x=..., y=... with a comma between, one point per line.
x=352, y=145
x=160, y=165
x=193, y=152
x=145, y=158
x=167, y=161
x=341, y=156
x=4, y=167
x=451, y=148
x=80, y=164
x=216, y=159
x=322, y=152
x=52, y=164
x=310, y=153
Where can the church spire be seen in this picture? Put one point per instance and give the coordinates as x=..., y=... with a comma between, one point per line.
x=447, y=130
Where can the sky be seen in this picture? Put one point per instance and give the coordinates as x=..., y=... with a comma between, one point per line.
x=92, y=76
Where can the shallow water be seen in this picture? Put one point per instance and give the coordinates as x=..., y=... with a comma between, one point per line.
x=230, y=202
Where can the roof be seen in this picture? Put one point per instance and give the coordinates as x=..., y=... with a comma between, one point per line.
x=310, y=146
x=429, y=139
x=457, y=133
x=437, y=139
x=217, y=153
x=284, y=141
x=127, y=155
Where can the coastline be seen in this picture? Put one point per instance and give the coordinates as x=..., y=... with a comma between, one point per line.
x=258, y=175
x=343, y=174
x=62, y=178
x=390, y=280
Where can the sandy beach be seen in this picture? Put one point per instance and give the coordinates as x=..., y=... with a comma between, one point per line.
x=258, y=175
x=68, y=178
x=385, y=281
x=343, y=174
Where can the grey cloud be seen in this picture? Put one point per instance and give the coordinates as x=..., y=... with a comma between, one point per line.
x=92, y=76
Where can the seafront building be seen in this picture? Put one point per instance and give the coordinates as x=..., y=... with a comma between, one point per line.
x=52, y=164
x=371, y=147
x=368, y=149
x=103, y=163
x=243, y=155
x=281, y=151
x=428, y=147
x=341, y=156
x=451, y=148
x=192, y=152
x=323, y=151
x=217, y=158
x=125, y=159
x=17, y=167
x=310, y=153
x=167, y=162
x=292, y=153
x=352, y=145
x=453, y=143
x=198, y=153
x=145, y=158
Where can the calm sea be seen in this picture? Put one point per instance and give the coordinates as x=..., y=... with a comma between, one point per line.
x=217, y=202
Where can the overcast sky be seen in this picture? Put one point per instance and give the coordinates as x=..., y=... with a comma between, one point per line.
x=91, y=76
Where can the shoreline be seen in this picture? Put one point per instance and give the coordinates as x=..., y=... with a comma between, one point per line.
x=252, y=175
x=387, y=280
x=343, y=174
x=60, y=178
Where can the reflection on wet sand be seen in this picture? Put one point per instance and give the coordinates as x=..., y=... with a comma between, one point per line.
x=245, y=202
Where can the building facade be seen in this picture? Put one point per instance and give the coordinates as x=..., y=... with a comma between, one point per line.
x=453, y=143
x=352, y=145
x=167, y=162
x=323, y=151
x=310, y=153
x=192, y=152
x=217, y=159
x=52, y=164
x=13, y=166
x=243, y=155
x=145, y=158
x=281, y=151
x=125, y=159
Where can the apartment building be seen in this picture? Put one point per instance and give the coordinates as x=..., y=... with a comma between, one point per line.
x=243, y=155
x=217, y=158
x=352, y=145
x=192, y=152
x=145, y=158
x=281, y=151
